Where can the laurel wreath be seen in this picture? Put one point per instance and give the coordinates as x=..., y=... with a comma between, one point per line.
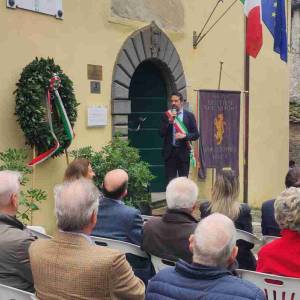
x=31, y=106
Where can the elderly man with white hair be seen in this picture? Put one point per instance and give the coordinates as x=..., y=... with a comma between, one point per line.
x=15, y=240
x=214, y=249
x=168, y=237
x=71, y=266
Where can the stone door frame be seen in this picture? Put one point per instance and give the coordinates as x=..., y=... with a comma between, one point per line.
x=147, y=43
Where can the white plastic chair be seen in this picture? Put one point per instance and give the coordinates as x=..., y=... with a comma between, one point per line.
x=269, y=238
x=146, y=218
x=274, y=287
x=38, y=233
x=39, y=229
x=10, y=293
x=119, y=245
x=247, y=236
x=160, y=263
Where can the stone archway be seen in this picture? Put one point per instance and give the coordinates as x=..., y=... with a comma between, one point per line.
x=148, y=43
x=147, y=70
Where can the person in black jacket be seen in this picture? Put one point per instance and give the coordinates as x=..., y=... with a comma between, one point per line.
x=268, y=224
x=176, y=145
x=225, y=201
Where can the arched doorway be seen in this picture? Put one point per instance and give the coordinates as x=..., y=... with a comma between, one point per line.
x=147, y=70
x=148, y=94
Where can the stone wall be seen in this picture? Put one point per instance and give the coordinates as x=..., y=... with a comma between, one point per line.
x=295, y=54
x=295, y=142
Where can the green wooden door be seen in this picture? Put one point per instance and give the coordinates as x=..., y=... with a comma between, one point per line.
x=148, y=95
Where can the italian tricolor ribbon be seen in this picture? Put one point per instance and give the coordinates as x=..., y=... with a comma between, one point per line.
x=58, y=104
x=181, y=128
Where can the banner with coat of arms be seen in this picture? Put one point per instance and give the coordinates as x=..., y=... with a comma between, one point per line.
x=219, y=129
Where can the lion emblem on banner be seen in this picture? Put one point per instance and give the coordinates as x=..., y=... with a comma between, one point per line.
x=220, y=124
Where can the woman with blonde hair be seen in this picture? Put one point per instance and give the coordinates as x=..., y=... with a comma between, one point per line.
x=78, y=168
x=224, y=200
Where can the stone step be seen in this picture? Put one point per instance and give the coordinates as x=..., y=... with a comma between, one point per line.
x=155, y=197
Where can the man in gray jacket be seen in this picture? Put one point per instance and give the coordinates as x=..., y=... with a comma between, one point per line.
x=15, y=268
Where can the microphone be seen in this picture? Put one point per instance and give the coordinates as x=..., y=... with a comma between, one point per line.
x=174, y=111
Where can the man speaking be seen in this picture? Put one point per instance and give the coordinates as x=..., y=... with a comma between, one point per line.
x=178, y=129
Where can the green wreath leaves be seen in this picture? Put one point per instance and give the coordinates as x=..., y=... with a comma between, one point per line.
x=31, y=109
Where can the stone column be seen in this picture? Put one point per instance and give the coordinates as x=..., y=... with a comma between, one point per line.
x=295, y=56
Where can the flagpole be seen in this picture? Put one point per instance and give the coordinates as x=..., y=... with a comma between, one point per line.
x=33, y=180
x=246, y=116
x=213, y=175
x=288, y=12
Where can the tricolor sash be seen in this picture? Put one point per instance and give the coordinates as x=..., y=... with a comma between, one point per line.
x=53, y=88
x=181, y=128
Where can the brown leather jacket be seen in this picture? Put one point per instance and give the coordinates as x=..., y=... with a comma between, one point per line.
x=168, y=237
x=15, y=240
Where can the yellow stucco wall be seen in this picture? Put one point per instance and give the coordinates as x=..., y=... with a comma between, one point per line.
x=89, y=35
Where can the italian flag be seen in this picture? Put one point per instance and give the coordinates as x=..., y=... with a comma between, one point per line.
x=254, y=38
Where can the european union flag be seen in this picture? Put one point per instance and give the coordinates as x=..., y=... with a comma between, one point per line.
x=273, y=13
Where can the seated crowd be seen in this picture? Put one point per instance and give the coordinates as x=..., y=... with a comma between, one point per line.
x=71, y=266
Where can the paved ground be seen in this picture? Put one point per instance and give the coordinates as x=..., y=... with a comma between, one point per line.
x=256, y=219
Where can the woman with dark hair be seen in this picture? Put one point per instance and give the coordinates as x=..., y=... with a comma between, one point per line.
x=224, y=200
x=269, y=225
x=293, y=177
x=80, y=167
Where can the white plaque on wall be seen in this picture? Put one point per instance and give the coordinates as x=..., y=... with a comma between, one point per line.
x=97, y=116
x=49, y=7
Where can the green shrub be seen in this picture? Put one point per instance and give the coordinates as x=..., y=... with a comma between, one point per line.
x=119, y=155
x=30, y=198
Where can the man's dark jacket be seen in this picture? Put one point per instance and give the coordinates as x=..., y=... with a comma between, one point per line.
x=168, y=237
x=194, y=281
x=118, y=221
x=166, y=132
x=269, y=225
x=15, y=267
